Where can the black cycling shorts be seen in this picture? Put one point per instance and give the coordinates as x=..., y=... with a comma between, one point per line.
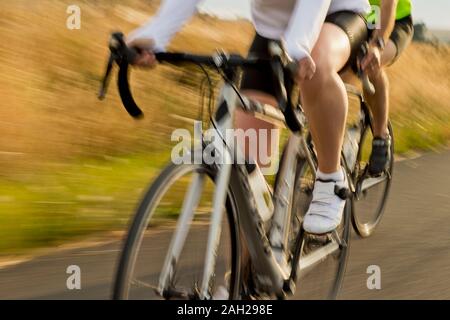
x=402, y=35
x=261, y=79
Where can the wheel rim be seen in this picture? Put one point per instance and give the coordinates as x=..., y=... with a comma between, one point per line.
x=141, y=267
x=372, y=195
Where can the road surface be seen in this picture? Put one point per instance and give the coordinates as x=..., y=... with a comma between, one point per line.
x=411, y=248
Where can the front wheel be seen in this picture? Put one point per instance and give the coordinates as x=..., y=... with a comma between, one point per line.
x=165, y=249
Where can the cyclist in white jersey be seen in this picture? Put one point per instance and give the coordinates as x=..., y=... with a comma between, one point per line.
x=324, y=37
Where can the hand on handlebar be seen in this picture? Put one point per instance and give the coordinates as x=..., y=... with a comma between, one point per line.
x=306, y=69
x=145, y=56
x=371, y=64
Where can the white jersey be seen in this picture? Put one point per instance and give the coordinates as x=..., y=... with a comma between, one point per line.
x=296, y=22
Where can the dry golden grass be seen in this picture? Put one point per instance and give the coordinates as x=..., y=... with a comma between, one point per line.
x=420, y=95
x=50, y=76
x=55, y=134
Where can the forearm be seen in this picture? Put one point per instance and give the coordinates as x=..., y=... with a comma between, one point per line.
x=387, y=23
x=305, y=26
x=170, y=18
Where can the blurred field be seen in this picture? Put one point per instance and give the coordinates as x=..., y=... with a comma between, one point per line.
x=71, y=166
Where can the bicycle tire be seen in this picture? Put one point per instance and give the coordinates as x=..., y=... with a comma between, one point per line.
x=301, y=208
x=143, y=216
x=366, y=229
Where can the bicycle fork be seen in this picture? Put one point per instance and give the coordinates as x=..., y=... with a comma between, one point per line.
x=192, y=199
x=176, y=245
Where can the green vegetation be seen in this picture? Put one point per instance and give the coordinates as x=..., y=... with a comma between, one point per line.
x=72, y=199
x=422, y=128
x=72, y=166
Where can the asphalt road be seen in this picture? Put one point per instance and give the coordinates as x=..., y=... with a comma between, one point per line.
x=411, y=248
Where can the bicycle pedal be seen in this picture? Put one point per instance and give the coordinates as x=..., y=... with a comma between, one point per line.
x=376, y=175
x=318, y=239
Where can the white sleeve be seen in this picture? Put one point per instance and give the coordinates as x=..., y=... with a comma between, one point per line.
x=304, y=27
x=170, y=18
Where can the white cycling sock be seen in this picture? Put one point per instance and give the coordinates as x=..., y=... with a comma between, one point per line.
x=335, y=176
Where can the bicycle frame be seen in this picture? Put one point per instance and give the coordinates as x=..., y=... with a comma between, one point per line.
x=364, y=182
x=268, y=254
x=274, y=274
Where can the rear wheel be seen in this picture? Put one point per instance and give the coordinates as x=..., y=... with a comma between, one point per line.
x=372, y=192
x=151, y=235
x=321, y=280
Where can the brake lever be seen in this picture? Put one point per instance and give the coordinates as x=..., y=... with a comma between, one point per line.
x=116, y=45
x=284, y=69
x=119, y=52
x=122, y=56
x=105, y=82
x=368, y=86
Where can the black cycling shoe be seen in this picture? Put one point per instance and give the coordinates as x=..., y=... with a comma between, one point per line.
x=379, y=156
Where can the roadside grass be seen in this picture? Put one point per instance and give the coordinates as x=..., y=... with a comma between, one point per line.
x=70, y=200
x=421, y=128
x=56, y=184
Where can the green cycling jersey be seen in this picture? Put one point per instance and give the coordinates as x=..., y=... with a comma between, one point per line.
x=403, y=9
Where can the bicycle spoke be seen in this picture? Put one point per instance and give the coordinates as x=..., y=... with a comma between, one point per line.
x=215, y=229
x=338, y=239
x=170, y=263
x=187, y=213
x=141, y=284
x=309, y=261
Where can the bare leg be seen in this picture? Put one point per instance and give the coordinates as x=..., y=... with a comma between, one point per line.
x=324, y=97
x=247, y=121
x=325, y=102
x=379, y=102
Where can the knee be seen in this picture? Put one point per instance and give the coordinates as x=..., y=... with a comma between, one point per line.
x=324, y=72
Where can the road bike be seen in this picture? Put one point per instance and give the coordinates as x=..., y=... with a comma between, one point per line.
x=208, y=219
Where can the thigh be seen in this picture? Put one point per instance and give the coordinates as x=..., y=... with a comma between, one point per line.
x=332, y=49
x=400, y=39
x=354, y=26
